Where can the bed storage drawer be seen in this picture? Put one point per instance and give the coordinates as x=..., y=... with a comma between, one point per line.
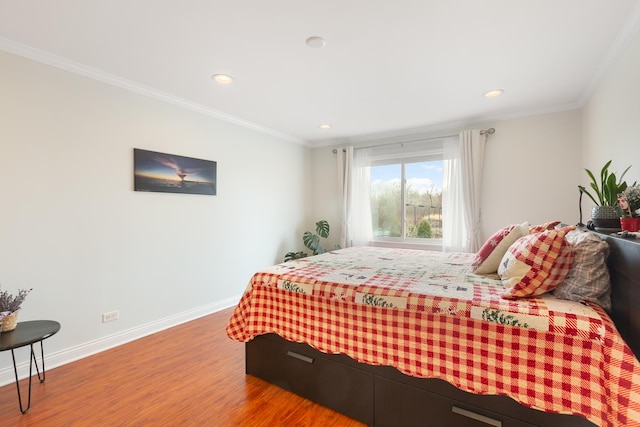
x=399, y=404
x=293, y=367
x=381, y=396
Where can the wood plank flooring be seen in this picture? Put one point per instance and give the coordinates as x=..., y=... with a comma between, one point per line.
x=190, y=375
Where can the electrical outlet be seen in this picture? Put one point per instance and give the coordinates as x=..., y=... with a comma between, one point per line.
x=110, y=316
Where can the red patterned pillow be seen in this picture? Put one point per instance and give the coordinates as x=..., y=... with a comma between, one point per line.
x=536, y=263
x=543, y=227
x=488, y=257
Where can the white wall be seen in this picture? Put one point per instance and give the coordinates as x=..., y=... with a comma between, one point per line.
x=326, y=203
x=530, y=173
x=73, y=229
x=611, y=118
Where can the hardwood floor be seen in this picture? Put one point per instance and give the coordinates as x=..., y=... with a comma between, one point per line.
x=190, y=375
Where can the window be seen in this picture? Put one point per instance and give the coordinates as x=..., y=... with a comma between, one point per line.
x=410, y=212
x=401, y=192
x=451, y=209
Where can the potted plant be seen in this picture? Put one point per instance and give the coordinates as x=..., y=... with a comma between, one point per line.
x=630, y=204
x=9, y=306
x=606, y=213
x=312, y=241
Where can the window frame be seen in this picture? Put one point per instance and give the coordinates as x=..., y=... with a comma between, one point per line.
x=403, y=241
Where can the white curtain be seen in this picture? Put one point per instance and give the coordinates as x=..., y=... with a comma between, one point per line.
x=463, y=163
x=454, y=230
x=354, y=191
x=345, y=167
x=472, y=144
x=361, y=227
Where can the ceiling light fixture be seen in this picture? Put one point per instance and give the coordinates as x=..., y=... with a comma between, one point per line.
x=224, y=79
x=493, y=93
x=316, y=42
x=325, y=126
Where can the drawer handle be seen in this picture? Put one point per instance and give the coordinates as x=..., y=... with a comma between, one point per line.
x=477, y=417
x=300, y=357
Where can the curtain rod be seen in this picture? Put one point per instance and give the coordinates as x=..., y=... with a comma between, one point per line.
x=489, y=131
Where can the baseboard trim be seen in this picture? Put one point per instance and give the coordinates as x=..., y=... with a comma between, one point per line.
x=59, y=358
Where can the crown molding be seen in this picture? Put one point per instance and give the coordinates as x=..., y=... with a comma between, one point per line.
x=440, y=128
x=43, y=57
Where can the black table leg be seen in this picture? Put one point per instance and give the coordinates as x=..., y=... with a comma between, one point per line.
x=35, y=362
x=32, y=361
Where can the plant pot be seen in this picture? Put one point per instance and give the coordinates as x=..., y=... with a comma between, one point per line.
x=9, y=322
x=605, y=212
x=606, y=218
x=630, y=224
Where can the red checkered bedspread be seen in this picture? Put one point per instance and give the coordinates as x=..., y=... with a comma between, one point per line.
x=427, y=315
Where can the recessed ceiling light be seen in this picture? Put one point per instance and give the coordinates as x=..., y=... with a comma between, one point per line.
x=325, y=126
x=493, y=93
x=224, y=79
x=316, y=42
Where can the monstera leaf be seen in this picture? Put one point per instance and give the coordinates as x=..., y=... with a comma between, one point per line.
x=312, y=241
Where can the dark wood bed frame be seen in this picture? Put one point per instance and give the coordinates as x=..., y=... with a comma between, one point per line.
x=383, y=396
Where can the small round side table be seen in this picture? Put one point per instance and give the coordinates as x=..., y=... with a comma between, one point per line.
x=28, y=333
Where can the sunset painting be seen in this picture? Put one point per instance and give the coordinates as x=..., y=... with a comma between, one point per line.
x=169, y=173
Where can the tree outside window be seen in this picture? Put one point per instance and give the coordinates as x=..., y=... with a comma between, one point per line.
x=406, y=200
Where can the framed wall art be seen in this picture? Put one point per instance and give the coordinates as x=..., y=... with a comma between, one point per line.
x=170, y=173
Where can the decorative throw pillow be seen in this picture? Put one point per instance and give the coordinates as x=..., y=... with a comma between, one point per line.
x=588, y=279
x=488, y=257
x=536, y=263
x=543, y=227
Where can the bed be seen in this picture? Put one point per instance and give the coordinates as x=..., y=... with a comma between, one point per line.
x=396, y=337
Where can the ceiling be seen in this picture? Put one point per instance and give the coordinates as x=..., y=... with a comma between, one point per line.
x=387, y=68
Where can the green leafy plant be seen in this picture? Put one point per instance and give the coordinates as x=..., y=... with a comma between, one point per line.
x=424, y=229
x=312, y=241
x=10, y=303
x=606, y=190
